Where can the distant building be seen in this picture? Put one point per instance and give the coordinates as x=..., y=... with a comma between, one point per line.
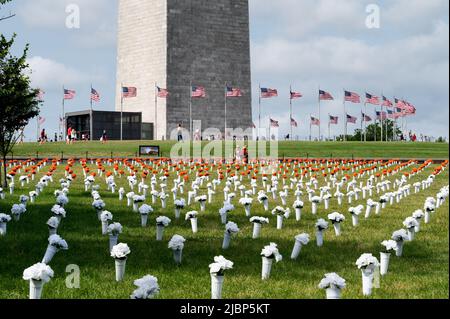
x=173, y=43
x=133, y=127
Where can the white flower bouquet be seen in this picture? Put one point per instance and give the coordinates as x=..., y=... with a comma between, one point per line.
x=163, y=197
x=144, y=211
x=355, y=212
x=400, y=236
x=148, y=288
x=300, y=240
x=368, y=265
x=202, y=201
x=269, y=254
x=370, y=204
x=429, y=208
x=298, y=206
x=230, y=230
x=4, y=219
x=315, y=200
x=257, y=225
x=58, y=211
x=389, y=245
x=281, y=214
x=223, y=212
x=114, y=230
x=38, y=275
x=179, y=205
x=130, y=196
x=55, y=244
x=247, y=203
x=62, y=200
x=321, y=225
x=418, y=215
x=120, y=253
x=192, y=216
x=177, y=245
x=105, y=218
x=161, y=223
x=263, y=199
x=336, y=219
x=333, y=284
x=217, y=271
x=121, y=193
x=137, y=199
x=410, y=224
x=17, y=210
x=23, y=199
x=53, y=224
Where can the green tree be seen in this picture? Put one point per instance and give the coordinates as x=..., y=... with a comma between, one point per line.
x=19, y=102
x=372, y=128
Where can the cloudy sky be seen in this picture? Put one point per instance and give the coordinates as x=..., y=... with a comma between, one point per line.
x=304, y=43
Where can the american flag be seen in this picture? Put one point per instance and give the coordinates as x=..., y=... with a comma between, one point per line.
x=268, y=93
x=162, y=93
x=233, y=92
x=387, y=102
x=198, y=92
x=41, y=120
x=294, y=123
x=352, y=97
x=372, y=99
x=366, y=118
x=390, y=114
x=296, y=95
x=400, y=104
x=274, y=123
x=325, y=96
x=128, y=92
x=334, y=120
x=351, y=119
x=409, y=109
x=69, y=94
x=381, y=115
x=315, y=121
x=94, y=95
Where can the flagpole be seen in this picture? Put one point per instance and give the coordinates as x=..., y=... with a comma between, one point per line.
x=365, y=123
x=329, y=127
x=259, y=105
x=121, y=112
x=190, y=110
x=376, y=125
x=382, y=115
x=226, y=124
x=345, y=117
x=290, y=110
x=64, y=116
x=310, y=127
x=320, y=118
x=155, y=129
x=91, y=124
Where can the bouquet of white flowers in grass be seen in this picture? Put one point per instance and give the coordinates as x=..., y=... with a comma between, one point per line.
x=33, y=196
x=130, y=196
x=179, y=205
x=350, y=196
x=315, y=200
x=368, y=265
x=62, y=200
x=53, y=224
x=418, y=215
x=300, y=240
x=247, y=203
x=389, y=245
x=192, y=216
x=4, y=219
x=120, y=253
x=148, y=288
x=333, y=284
x=257, y=225
x=224, y=211
x=281, y=214
x=114, y=230
x=429, y=208
x=23, y=199
x=105, y=218
x=336, y=219
x=202, y=201
x=2, y=193
x=370, y=204
x=161, y=223
x=55, y=244
x=137, y=199
x=400, y=236
x=217, y=271
x=58, y=211
x=383, y=201
x=263, y=199
x=355, y=212
x=177, y=245
x=163, y=197
x=98, y=205
x=410, y=224
x=38, y=275
x=298, y=206
x=17, y=210
x=321, y=225
x=144, y=211
x=121, y=193
x=269, y=254
x=230, y=230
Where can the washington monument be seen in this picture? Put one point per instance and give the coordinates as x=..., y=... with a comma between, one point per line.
x=175, y=43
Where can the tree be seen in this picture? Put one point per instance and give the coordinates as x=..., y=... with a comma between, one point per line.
x=19, y=102
x=9, y=15
x=371, y=129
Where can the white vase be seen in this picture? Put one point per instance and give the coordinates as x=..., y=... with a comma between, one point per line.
x=159, y=232
x=427, y=217
x=337, y=228
x=194, y=225
x=314, y=208
x=368, y=209
x=280, y=222
x=339, y=199
x=355, y=220
x=266, y=205
x=319, y=238
x=283, y=201
x=367, y=282
x=333, y=293
x=52, y=231
x=112, y=241
x=135, y=207
x=223, y=218
x=256, y=230
x=177, y=213
x=144, y=219
x=298, y=214
x=226, y=240
x=247, y=210
x=378, y=209
x=2, y=229
x=417, y=228
x=296, y=250
x=384, y=263
x=216, y=286
x=327, y=204
x=177, y=256
x=411, y=233
x=16, y=217
x=399, y=251
x=36, y=289
x=129, y=201
x=49, y=253
x=120, y=268
x=266, y=267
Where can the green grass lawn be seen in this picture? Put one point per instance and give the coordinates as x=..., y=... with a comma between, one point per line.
x=285, y=149
x=421, y=273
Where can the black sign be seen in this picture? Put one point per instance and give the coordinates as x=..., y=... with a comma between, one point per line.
x=152, y=151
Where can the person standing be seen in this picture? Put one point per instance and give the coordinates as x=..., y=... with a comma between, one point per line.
x=180, y=133
x=43, y=136
x=74, y=135
x=104, y=137
x=69, y=135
